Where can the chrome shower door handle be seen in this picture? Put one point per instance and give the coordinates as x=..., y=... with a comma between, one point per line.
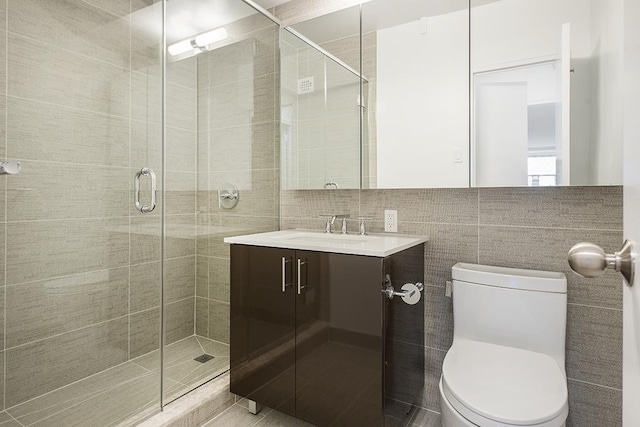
x=145, y=208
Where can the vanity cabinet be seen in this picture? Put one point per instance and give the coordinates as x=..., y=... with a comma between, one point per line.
x=311, y=331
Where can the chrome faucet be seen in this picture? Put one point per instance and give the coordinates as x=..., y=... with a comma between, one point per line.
x=332, y=218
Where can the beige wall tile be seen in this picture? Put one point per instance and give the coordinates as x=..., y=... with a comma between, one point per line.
x=2, y=371
x=3, y=14
x=181, y=107
x=43, y=366
x=180, y=278
x=41, y=131
x=568, y=207
x=3, y=126
x=145, y=332
x=3, y=300
x=74, y=25
x=146, y=98
x=593, y=406
x=219, y=279
x=46, y=249
x=202, y=276
x=424, y=205
x=146, y=282
x=311, y=204
x=253, y=147
x=42, y=309
x=180, y=237
x=219, y=321
x=145, y=239
x=183, y=72
x=179, y=318
x=120, y=7
x=256, y=189
x=3, y=55
x=202, y=317
x=45, y=73
x=180, y=193
x=231, y=63
x=546, y=249
x=448, y=244
x=594, y=345
x=64, y=191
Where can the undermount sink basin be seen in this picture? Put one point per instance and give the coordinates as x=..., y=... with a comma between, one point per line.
x=379, y=245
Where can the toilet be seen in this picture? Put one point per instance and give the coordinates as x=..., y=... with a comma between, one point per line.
x=506, y=364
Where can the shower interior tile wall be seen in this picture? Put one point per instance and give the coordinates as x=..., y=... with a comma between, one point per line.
x=80, y=107
x=513, y=227
x=238, y=122
x=81, y=111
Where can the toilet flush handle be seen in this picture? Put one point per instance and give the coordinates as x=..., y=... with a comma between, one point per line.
x=589, y=260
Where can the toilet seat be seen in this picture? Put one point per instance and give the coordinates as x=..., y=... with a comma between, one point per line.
x=493, y=385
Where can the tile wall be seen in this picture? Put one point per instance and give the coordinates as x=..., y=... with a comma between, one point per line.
x=238, y=134
x=512, y=227
x=80, y=95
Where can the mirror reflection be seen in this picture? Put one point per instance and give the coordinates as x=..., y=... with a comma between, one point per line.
x=320, y=116
x=546, y=96
x=481, y=93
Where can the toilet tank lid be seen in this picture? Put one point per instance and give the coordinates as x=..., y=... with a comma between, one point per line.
x=513, y=278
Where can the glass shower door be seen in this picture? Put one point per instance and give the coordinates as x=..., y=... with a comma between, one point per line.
x=80, y=283
x=221, y=124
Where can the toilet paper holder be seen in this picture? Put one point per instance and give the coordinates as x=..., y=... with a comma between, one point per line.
x=410, y=292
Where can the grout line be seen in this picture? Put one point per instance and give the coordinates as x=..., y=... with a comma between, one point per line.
x=67, y=332
x=594, y=384
x=73, y=52
x=70, y=384
x=595, y=306
x=14, y=419
x=104, y=10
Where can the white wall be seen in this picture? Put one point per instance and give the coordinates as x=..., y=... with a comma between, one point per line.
x=607, y=72
x=422, y=103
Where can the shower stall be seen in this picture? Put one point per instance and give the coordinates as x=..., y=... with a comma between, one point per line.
x=134, y=122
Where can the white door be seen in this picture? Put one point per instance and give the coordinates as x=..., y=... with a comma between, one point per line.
x=631, y=352
x=501, y=138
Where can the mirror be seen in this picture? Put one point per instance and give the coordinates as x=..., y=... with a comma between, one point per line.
x=320, y=115
x=546, y=92
x=484, y=93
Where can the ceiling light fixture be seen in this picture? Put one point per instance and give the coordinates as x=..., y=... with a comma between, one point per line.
x=198, y=43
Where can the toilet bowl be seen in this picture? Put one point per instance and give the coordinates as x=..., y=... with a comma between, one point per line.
x=506, y=365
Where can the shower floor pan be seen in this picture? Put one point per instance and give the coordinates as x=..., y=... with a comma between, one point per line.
x=124, y=394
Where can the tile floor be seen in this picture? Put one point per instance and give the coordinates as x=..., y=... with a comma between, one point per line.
x=119, y=395
x=238, y=416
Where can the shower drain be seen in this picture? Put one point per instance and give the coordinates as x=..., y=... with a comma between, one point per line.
x=204, y=358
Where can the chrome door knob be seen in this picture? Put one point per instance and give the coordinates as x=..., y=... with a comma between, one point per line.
x=590, y=260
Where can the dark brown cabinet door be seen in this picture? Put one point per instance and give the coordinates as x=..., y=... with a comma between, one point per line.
x=339, y=342
x=263, y=326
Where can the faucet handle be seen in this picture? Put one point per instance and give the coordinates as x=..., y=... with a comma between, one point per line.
x=362, y=219
x=330, y=220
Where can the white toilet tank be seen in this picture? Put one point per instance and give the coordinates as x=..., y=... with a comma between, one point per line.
x=525, y=309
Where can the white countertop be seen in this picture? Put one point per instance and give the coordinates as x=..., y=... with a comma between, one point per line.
x=378, y=245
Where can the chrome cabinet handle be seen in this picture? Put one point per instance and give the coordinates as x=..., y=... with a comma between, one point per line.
x=284, y=274
x=589, y=260
x=300, y=264
x=145, y=208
